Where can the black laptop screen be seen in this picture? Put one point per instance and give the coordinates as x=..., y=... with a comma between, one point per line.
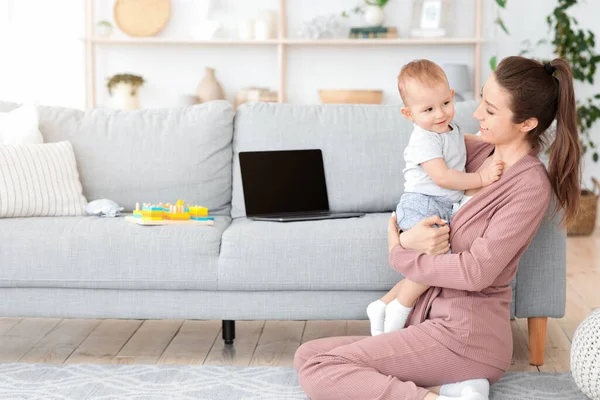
x=279, y=182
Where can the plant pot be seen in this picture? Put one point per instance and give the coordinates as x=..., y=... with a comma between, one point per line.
x=209, y=88
x=585, y=221
x=125, y=97
x=103, y=29
x=374, y=15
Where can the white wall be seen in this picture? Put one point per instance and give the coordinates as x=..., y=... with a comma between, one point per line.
x=41, y=56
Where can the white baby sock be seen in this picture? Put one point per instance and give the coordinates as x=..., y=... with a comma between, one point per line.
x=376, y=313
x=481, y=386
x=395, y=316
x=467, y=393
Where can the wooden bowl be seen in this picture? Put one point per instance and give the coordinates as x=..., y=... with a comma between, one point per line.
x=343, y=96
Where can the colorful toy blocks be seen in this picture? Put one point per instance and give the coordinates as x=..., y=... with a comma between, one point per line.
x=167, y=214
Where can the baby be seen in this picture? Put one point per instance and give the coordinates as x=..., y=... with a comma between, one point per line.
x=435, y=176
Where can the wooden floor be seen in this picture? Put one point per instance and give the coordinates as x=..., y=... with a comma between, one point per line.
x=265, y=343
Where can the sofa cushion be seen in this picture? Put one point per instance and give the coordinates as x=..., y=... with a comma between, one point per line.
x=20, y=125
x=39, y=180
x=340, y=254
x=362, y=147
x=185, y=153
x=108, y=253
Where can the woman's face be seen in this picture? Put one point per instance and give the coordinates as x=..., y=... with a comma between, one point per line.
x=495, y=116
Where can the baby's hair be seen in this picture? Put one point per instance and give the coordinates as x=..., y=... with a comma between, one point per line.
x=424, y=71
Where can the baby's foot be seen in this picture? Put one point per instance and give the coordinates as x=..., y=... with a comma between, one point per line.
x=395, y=316
x=376, y=313
x=467, y=393
x=481, y=386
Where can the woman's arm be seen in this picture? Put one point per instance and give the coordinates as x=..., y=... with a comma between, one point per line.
x=422, y=237
x=509, y=231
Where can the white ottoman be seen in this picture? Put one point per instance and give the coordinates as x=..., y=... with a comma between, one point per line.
x=585, y=356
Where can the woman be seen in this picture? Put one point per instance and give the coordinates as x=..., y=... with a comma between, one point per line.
x=460, y=328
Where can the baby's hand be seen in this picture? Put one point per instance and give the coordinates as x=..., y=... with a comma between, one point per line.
x=491, y=173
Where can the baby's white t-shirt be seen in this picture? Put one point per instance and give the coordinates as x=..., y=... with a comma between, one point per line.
x=424, y=146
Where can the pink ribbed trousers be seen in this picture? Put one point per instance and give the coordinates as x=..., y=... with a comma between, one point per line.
x=396, y=365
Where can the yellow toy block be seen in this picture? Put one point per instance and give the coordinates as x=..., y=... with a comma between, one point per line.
x=197, y=211
x=152, y=215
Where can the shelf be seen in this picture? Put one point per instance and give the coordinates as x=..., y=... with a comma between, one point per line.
x=291, y=42
x=282, y=45
x=166, y=41
x=380, y=42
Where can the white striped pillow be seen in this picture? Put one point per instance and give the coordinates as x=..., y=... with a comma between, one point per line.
x=39, y=180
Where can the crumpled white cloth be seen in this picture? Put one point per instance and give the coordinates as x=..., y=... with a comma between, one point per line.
x=104, y=208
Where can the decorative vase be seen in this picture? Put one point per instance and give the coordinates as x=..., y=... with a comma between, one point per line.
x=103, y=29
x=125, y=97
x=261, y=30
x=246, y=29
x=209, y=87
x=374, y=15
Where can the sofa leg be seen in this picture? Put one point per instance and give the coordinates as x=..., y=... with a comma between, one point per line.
x=228, y=331
x=537, y=339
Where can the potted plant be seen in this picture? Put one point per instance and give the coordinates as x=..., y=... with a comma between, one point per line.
x=372, y=10
x=124, y=90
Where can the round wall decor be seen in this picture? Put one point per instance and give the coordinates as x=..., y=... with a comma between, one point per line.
x=142, y=17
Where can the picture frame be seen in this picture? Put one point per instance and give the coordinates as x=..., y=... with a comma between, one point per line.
x=430, y=18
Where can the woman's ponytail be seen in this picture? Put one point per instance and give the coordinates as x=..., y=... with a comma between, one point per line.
x=565, y=153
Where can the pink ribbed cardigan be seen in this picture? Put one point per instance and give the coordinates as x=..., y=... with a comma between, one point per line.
x=467, y=308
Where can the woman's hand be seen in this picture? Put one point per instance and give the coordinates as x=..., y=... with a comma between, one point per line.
x=423, y=237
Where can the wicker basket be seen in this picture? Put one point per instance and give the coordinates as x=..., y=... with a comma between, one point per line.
x=342, y=96
x=585, y=222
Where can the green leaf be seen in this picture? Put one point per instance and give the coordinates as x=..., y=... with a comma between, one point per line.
x=501, y=23
x=501, y=3
x=493, y=63
x=378, y=3
x=595, y=157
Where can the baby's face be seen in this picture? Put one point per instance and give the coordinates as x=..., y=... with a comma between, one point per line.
x=432, y=108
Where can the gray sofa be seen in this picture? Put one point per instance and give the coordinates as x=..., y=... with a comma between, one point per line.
x=89, y=267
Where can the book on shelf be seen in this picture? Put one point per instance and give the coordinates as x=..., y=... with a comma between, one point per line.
x=374, y=32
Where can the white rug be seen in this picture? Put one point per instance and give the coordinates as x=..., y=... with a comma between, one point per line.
x=154, y=382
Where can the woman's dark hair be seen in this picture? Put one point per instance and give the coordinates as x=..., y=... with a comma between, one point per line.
x=545, y=92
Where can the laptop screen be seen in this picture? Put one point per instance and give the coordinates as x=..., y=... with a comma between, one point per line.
x=283, y=181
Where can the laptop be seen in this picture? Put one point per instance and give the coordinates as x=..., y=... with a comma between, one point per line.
x=286, y=186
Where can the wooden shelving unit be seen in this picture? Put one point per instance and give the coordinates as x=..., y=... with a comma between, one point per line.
x=282, y=42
